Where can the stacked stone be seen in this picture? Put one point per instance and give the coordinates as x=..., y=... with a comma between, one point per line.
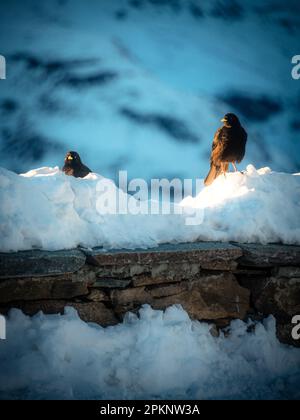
x=214, y=282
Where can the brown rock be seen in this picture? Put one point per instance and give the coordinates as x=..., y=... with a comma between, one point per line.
x=167, y=273
x=147, y=279
x=277, y=296
x=211, y=297
x=86, y=275
x=169, y=290
x=219, y=264
x=95, y=312
x=89, y=312
x=97, y=295
x=65, y=286
x=132, y=296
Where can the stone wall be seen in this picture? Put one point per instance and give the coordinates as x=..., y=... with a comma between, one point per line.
x=215, y=282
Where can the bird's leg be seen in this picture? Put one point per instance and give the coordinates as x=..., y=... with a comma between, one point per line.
x=235, y=168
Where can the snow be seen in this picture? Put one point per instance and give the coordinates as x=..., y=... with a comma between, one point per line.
x=46, y=209
x=159, y=355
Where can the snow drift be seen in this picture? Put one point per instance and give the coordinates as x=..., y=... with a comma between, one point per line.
x=156, y=355
x=47, y=210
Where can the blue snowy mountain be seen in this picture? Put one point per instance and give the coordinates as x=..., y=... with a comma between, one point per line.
x=141, y=85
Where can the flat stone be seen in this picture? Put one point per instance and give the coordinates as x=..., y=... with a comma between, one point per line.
x=219, y=264
x=269, y=255
x=37, y=263
x=148, y=280
x=169, y=290
x=119, y=272
x=89, y=312
x=65, y=286
x=212, y=255
x=112, y=283
x=167, y=273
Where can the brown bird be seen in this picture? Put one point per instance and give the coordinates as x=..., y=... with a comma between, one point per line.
x=74, y=167
x=228, y=146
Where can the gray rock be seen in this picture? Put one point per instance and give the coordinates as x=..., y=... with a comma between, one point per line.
x=40, y=263
x=119, y=272
x=112, y=283
x=269, y=255
x=210, y=255
x=288, y=272
x=284, y=333
x=214, y=331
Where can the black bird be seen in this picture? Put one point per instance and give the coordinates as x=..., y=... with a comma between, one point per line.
x=74, y=167
x=228, y=146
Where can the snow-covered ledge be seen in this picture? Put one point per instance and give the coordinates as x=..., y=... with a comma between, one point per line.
x=215, y=282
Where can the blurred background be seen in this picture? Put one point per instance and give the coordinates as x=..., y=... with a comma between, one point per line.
x=141, y=85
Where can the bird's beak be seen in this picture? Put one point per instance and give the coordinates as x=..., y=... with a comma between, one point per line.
x=69, y=158
x=223, y=120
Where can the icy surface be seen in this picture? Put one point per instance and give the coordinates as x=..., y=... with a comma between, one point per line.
x=46, y=209
x=155, y=355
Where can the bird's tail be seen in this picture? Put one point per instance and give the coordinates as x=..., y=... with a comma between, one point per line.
x=214, y=172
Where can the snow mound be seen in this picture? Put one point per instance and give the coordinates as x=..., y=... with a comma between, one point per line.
x=46, y=209
x=156, y=355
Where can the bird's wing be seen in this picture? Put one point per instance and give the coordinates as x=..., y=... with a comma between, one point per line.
x=243, y=141
x=217, y=147
x=245, y=136
x=216, y=139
